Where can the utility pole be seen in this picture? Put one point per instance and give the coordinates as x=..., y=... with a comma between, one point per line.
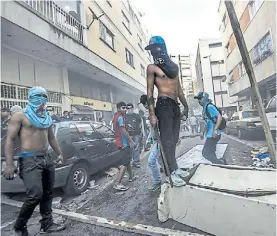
x=250, y=72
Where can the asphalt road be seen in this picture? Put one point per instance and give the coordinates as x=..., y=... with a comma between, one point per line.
x=137, y=205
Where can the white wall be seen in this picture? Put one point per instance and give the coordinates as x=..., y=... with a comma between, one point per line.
x=24, y=70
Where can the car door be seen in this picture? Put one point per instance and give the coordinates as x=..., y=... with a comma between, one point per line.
x=108, y=138
x=95, y=145
x=80, y=144
x=271, y=113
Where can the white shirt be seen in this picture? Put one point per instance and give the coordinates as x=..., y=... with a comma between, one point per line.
x=193, y=120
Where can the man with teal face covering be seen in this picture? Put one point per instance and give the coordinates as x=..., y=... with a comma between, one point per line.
x=212, y=132
x=33, y=125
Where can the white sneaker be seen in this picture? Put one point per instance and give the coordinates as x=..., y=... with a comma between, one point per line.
x=182, y=173
x=176, y=180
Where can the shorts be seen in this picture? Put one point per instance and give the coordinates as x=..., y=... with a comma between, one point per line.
x=126, y=156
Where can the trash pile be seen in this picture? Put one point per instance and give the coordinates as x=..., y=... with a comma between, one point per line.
x=261, y=158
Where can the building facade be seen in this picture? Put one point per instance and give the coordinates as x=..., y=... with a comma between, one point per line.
x=86, y=62
x=185, y=72
x=211, y=73
x=258, y=23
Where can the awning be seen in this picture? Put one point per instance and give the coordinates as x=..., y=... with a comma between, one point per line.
x=80, y=109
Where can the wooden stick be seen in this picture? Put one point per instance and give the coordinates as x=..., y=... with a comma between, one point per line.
x=164, y=159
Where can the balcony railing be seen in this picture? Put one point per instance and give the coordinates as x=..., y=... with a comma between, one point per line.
x=66, y=21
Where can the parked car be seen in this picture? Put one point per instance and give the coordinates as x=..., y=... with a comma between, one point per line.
x=87, y=147
x=243, y=123
x=271, y=114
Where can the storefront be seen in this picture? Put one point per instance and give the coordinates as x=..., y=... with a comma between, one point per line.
x=90, y=108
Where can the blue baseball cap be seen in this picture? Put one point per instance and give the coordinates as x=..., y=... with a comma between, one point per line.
x=200, y=95
x=153, y=41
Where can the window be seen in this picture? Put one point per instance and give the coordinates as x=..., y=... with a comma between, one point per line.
x=272, y=103
x=254, y=7
x=224, y=21
x=126, y=22
x=87, y=131
x=215, y=45
x=228, y=48
x=103, y=130
x=235, y=116
x=8, y=91
x=140, y=42
x=130, y=58
x=242, y=70
x=142, y=69
x=75, y=134
x=262, y=50
x=248, y=114
x=106, y=35
x=109, y=3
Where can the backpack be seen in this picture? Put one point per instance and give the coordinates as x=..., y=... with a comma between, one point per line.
x=222, y=125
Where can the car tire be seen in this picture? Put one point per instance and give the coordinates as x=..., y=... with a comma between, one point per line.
x=78, y=179
x=240, y=134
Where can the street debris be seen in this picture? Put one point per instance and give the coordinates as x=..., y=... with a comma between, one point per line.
x=92, y=185
x=111, y=172
x=261, y=157
x=56, y=203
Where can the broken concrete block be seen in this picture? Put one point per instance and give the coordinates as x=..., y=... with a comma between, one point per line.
x=163, y=211
x=214, y=201
x=218, y=213
x=235, y=179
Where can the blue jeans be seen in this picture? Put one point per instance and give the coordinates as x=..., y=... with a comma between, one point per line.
x=136, y=150
x=153, y=163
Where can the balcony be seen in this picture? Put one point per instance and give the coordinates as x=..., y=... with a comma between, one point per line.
x=66, y=21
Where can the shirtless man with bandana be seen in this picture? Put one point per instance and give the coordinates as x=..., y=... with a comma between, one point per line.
x=164, y=74
x=36, y=168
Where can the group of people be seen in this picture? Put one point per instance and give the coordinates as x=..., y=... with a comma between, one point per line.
x=33, y=126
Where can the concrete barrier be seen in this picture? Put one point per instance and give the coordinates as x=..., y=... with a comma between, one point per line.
x=223, y=213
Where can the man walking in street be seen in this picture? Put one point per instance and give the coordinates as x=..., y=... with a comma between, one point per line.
x=193, y=124
x=212, y=131
x=144, y=114
x=123, y=142
x=134, y=128
x=36, y=168
x=164, y=75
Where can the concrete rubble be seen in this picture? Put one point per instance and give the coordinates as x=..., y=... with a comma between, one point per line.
x=243, y=197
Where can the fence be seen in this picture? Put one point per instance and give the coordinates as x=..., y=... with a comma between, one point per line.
x=68, y=22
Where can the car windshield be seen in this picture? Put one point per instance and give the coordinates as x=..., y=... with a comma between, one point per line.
x=249, y=114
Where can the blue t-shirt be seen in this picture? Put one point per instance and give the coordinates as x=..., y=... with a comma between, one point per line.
x=209, y=123
x=121, y=123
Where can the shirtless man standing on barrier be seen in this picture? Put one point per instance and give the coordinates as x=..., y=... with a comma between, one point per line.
x=164, y=74
x=36, y=168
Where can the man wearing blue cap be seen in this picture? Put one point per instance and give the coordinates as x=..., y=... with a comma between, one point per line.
x=214, y=125
x=164, y=74
x=33, y=125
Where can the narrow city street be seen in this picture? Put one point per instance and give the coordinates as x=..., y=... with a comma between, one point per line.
x=88, y=86
x=137, y=205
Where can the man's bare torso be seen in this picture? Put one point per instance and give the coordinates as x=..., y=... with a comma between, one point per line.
x=32, y=139
x=166, y=87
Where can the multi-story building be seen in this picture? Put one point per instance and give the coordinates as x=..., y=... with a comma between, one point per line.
x=88, y=54
x=211, y=73
x=257, y=20
x=185, y=72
